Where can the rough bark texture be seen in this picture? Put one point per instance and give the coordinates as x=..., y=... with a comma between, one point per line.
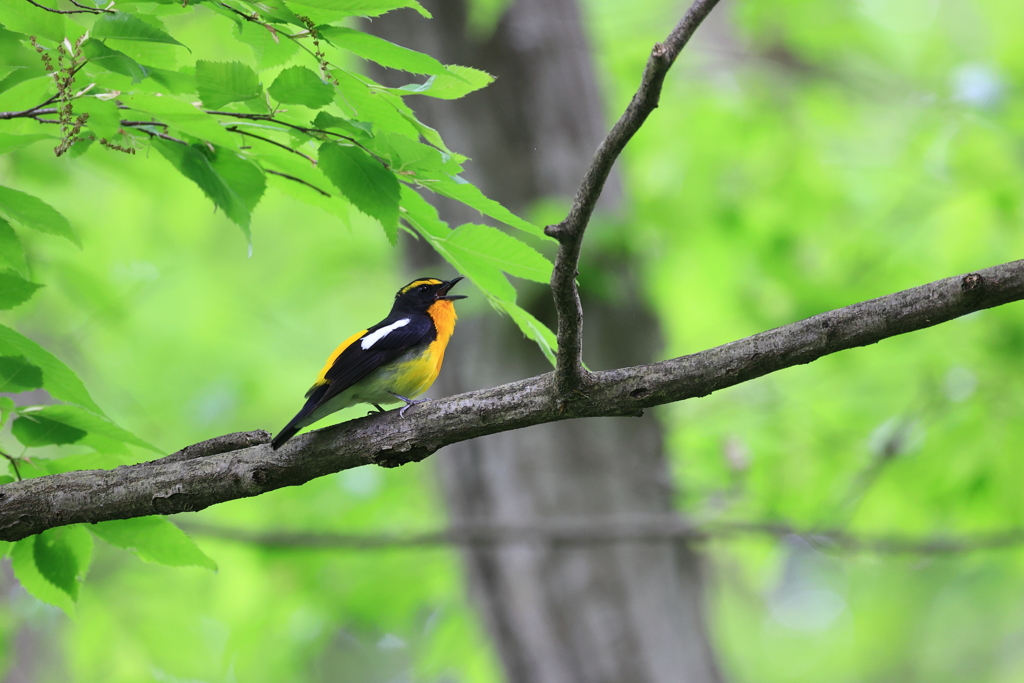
x=173, y=484
x=630, y=611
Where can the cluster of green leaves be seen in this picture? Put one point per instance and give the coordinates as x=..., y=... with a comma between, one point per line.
x=52, y=564
x=322, y=132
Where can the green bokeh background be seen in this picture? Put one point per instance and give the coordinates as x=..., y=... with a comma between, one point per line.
x=806, y=155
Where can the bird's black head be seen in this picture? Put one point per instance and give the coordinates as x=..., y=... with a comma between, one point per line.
x=422, y=293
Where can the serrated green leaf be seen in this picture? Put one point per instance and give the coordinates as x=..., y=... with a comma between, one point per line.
x=457, y=81
x=244, y=178
x=35, y=213
x=181, y=116
x=33, y=430
x=381, y=51
x=219, y=83
x=12, y=255
x=93, y=424
x=472, y=197
x=412, y=158
x=62, y=556
x=362, y=101
x=23, y=563
x=269, y=50
x=357, y=129
x=20, y=75
x=154, y=539
x=22, y=17
x=58, y=379
x=124, y=26
x=274, y=10
x=502, y=251
x=110, y=59
x=299, y=85
x=234, y=197
x=14, y=290
x=373, y=189
x=104, y=115
x=17, y=375
x=328, y=11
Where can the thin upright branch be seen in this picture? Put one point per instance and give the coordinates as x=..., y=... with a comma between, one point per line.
x=570, y=375
x=590, y=531
x=173, y=484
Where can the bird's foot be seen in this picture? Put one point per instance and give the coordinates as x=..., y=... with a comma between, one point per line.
x=409, y=403
x=379, y=409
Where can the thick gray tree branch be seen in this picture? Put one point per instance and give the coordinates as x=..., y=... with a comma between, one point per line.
x=570, y=375
x=182, y=483
x=591, y=530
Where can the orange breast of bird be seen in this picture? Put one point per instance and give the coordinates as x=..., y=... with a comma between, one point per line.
x=419, y=374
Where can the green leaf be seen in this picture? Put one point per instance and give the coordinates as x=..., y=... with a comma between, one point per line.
x=62, y=557
x=104, y=115
x=23, y=563
x=490, y=245
x=236, y=191
x=17, y=375
x=382, y=51
x=124, y=26
x=14, y=290
x=58, y=379
x=35, y=213
x=275, y=11
x=107, y=58
x=154, y=539
x=24, y=18
x=357, y=129
x=219, y=83
x=92, y=424
x=368, y=102
x=468, y=194
x=373, y=189
x=34, y=431
x=457, y=82
x=330, y=10
x=270, y=50
x=181, y=116
x=11, y=253
x=299, y=85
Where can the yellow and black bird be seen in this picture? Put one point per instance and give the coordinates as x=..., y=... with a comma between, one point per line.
x=395, y=360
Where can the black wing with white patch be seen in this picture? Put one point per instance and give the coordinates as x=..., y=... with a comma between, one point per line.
x=381, y=344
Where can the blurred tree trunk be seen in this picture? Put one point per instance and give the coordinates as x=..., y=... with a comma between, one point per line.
x=603, y=613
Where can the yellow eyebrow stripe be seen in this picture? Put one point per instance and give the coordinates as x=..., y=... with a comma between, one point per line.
x=416, y=284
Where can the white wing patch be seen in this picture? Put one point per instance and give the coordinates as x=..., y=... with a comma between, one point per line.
x=374, y=337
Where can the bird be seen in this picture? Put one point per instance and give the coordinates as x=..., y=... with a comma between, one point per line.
x=394, y=361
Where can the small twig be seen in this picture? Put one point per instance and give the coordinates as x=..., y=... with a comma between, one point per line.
x=255, y=18
x=298, y=180
x=598, y=531
x=14, y=464
x=236, y=129
x=569, y=371
x=84, y=10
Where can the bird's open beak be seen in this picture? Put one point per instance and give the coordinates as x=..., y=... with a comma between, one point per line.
x=442, y=293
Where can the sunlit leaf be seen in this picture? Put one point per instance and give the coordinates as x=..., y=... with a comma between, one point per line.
x=372, y=188
x=62, y=556
x=502, y=251
x=35, y=213
x=12, y=255
x=382, y=51
x=86, y=421
x=105, y=57
x=58, y=379
x=154, y=539
x=124, y=26
x=472, y=197
x=219, y=83
x=299, y=85
x=457, y=81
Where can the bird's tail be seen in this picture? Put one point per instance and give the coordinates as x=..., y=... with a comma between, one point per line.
x=290, y=430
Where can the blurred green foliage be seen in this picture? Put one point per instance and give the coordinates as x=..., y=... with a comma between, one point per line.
x=806, y=155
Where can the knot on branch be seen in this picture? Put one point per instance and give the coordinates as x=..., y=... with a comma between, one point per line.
x=557, y=231
x=971, y=282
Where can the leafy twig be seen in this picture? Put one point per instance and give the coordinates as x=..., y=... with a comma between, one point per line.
x=84, y=10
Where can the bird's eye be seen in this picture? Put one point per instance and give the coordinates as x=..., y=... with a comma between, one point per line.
x=423, y=288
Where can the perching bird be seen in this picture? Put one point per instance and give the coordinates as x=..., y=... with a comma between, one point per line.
x=395, y=360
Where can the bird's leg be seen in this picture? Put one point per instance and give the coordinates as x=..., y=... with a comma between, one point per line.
x=379, y=409
x=409, y=403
